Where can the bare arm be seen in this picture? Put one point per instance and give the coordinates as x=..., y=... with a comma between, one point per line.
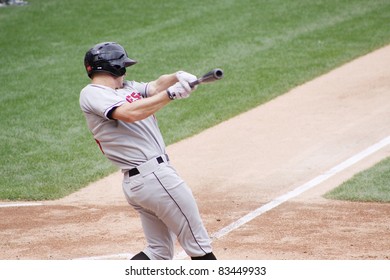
x=161, y=84
x=157, y=98
x=141, y=109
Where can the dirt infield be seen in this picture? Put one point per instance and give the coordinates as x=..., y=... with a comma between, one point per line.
x=237, y=167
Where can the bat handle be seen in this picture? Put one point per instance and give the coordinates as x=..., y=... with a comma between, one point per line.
x=194, y=83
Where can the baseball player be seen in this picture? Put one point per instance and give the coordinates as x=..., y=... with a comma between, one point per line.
x=120, y=115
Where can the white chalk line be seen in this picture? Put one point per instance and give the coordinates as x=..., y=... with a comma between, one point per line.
x=303, y=188
x=297, y=191
x=4, y=205
x=283, y=198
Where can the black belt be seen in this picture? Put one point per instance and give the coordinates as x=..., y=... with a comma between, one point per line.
x=135, y=171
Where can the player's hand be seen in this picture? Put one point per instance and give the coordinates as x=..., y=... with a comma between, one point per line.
x=179, y=90
x=186, y=77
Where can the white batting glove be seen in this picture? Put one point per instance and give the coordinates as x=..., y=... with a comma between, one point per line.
x=179, y=90
x=183, y=76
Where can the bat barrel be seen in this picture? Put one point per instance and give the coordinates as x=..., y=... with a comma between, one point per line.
x=218, y=73
x=213, y=75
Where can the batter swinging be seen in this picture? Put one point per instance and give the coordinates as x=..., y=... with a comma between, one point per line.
x=120, y=115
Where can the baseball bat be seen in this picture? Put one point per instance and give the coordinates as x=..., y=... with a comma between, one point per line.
x=212, y=76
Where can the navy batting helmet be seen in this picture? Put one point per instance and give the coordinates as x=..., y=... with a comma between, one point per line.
x=107, y=57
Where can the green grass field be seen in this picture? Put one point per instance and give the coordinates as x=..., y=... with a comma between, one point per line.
x=264, y=47
x=372, y=185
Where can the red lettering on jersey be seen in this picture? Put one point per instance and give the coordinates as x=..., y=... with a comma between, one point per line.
x=134, y=96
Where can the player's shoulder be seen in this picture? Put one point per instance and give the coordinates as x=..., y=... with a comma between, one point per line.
x=91, y=93
x=94, y=89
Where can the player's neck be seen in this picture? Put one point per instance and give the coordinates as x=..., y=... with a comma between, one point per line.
x=108, y=81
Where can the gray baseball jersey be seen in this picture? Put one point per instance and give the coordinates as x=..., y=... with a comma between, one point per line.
x=126, y=144
x=164, y=201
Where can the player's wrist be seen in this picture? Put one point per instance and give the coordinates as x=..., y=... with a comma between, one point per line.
x=179, y=90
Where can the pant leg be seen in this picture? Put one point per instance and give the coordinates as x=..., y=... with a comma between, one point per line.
x=180, y=213
x=159, y=238
x=166, y=205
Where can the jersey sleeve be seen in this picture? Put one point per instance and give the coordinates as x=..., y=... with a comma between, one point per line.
x=100, y=101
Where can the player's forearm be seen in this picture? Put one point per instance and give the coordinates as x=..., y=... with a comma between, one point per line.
x=161, y=84
x=141, y=109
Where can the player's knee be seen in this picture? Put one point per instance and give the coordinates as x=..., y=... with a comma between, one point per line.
x=209, y=256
